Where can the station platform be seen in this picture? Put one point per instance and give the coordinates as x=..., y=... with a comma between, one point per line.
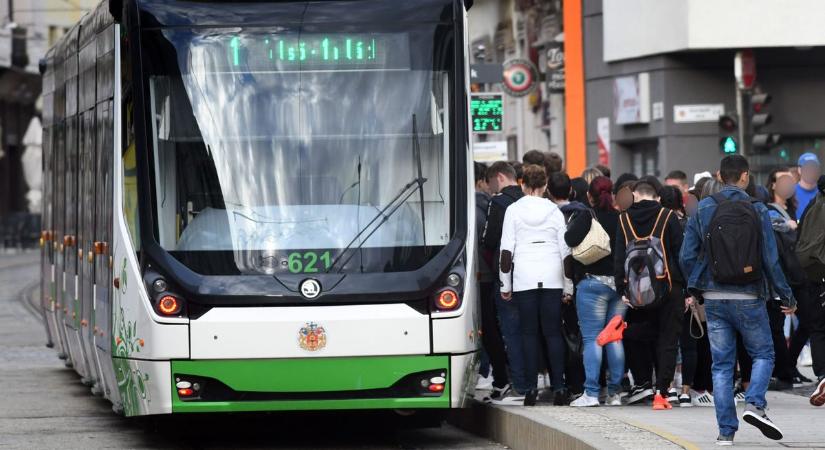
x=640, y=427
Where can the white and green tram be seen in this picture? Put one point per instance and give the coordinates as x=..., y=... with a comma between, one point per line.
x=259, y=206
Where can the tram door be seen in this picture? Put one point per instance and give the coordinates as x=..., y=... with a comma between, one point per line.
x=61, y=308
x=46, y=254
x=86, y=238
x=104, y=143
x=86, y=234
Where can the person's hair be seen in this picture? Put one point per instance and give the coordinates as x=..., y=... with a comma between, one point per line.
x=821, y=184
x=519, y=168
x=791, y=203
x=480, y=170
x=671, y=198
x=604, y=170
x=700, y=185
x=601, y=191
x=653, y=181
x=591, y=173
x=732, y=167
x=644, y=187
x=501, y=167
x=677, y=175
x=751, y=188
x=553, y=162
x=623, y=178
x=534, y=176
x=533, y=157
x=558, y=185
x=579, y=190
x=711, y=187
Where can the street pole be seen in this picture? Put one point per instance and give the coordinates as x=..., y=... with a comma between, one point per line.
x=743, y=118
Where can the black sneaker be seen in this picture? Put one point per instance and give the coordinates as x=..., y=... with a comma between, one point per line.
x=509, y=398
x=780, y=385
x=561, y=398
x=640, y=393
x=530, y=398
x=496, y=394
x=756, y=416
x=798, y=378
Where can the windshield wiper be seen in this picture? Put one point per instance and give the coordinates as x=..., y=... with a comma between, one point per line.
x=399, y=200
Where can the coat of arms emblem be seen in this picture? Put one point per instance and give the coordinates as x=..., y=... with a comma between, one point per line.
x=312, y=337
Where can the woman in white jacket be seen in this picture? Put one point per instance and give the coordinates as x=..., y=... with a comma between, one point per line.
x=532, y=275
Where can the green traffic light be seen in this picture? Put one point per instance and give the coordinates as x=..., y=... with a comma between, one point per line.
x=729, y=146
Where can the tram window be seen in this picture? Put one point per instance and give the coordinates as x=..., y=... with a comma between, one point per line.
x=254, y=155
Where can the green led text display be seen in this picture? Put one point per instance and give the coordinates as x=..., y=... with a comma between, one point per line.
x=486, y=112
x=332, y=51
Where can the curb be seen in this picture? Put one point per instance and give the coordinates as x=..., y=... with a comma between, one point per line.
x=518, y=430
x=564, y=428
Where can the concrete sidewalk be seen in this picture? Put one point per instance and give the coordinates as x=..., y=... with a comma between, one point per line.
x=640, y=427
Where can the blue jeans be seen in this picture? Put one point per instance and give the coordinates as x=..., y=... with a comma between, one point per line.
x=510, y=325
x=597, y=303
x=750, y=319
x=541, y=307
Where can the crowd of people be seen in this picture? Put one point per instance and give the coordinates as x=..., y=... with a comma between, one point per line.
x=637, y=291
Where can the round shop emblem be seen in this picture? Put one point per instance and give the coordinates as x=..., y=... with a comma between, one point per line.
x=520, y=77
x=310, y=288
x=312, y=337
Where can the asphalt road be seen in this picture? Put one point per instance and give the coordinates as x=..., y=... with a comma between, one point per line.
x=44, y=406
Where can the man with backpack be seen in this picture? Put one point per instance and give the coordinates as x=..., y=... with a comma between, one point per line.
x=501, y=180
x=731, y=259
x=649, y=279
x=810, y=250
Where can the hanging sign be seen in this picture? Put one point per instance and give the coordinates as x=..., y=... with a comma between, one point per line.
x=520, y=76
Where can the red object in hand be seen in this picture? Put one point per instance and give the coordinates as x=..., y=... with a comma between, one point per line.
x=614, y=331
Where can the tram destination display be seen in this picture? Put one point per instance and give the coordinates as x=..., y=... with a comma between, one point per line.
x=284, y=52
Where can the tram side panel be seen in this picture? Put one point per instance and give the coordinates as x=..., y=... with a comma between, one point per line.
x=142, y=342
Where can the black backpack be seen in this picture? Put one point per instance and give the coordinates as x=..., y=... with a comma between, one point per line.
x=734, y=242
x=647, y=275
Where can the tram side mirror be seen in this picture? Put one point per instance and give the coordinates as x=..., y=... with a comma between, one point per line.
x=468, y=4
x=116, y=9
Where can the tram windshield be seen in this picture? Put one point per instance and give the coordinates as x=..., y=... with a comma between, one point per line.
x=301, y=150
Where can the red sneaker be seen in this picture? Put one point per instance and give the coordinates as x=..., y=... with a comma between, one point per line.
x=614, y=331
x=660, y=402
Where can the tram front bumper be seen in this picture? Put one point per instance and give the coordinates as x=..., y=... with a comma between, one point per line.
x=370, y=382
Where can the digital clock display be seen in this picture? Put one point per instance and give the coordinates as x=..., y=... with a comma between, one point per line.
x=322, y=51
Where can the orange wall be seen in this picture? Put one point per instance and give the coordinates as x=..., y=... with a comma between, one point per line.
x=576, y=137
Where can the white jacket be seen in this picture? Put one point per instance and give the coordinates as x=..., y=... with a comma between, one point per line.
x=533, y=232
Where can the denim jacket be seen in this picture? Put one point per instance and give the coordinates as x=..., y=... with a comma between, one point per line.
x=695, y=265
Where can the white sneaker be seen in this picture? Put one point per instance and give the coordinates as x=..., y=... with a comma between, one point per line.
x=613, y=400
x=484, y=383
x=585, y=401
x=704, y=399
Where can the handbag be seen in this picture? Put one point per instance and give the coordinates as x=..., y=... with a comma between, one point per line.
x=594, y=246
x=698, y=316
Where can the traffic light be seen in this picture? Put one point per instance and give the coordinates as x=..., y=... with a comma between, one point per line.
x=728, y=126
x=761, y=141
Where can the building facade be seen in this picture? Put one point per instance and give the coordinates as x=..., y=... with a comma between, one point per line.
x=658, y=74
x=35, y=25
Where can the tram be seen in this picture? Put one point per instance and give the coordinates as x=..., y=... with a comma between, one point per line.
x=260, y=206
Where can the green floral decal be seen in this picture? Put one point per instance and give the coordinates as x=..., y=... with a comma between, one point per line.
x=132, y=383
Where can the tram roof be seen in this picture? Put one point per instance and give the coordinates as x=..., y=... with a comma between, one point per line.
x=163, y=13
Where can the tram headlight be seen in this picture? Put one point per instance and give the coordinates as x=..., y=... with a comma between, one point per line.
x=159, y=285
x=447, y=300
x=453, y=280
